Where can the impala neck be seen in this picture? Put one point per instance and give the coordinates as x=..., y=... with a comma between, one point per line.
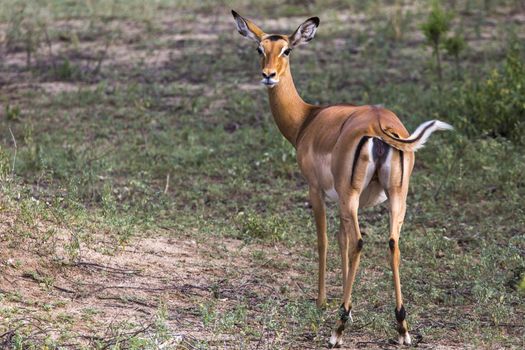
x=288, y=108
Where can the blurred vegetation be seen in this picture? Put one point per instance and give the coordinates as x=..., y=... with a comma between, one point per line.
x=454, y=46
x=134, y=118
x=495, y=106
x=435, y=28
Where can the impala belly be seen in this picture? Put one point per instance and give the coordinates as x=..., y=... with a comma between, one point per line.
x=325, y=177
x=372, y=195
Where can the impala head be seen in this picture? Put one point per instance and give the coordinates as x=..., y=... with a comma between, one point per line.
x=275, y=49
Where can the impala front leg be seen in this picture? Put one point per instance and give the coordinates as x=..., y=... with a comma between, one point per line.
x=318, y=206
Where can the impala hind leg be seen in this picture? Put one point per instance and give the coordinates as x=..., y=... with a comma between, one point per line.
x=397, y=214
x=318, y=206
x=350, y=227
x=350, y=189
x=395, y=179
x=343, y=240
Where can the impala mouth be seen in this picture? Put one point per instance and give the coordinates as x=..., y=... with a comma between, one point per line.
x=269, y=82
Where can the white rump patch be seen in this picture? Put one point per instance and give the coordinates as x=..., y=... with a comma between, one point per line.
x=385, y=170
x=370, y=167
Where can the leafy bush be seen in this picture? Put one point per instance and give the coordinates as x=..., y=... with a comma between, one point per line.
x=494, y=107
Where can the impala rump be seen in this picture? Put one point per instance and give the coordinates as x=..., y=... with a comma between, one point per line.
x=370, y=162
x=378, y=154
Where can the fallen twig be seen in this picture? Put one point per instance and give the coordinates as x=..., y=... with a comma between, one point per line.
x=106, y=268
x=36, y=278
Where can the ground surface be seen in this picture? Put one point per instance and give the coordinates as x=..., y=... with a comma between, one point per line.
x=148, y=202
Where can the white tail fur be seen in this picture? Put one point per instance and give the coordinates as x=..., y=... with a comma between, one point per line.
x=418, y=138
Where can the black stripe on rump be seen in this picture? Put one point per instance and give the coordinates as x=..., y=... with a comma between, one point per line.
x=356, y=156
x=402, y=160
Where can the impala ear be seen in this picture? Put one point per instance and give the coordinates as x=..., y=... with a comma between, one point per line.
x=305, y=32
x=247, y=28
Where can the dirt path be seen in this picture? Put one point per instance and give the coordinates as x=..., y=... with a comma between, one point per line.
x=160, y=280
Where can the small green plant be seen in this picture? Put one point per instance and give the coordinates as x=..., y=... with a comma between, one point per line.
x=66, y=71
x=30, y=153
x=5, y=164
x=12, y=113
x=72, y=248
x=109, y=203
x=161, y=334
x=208, y=314
x=521, y=285
x=435, y=29
x=454, y=46
x=256, y=226
x=17, y=342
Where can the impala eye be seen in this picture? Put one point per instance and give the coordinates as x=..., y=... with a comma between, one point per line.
x=260, y=50
x=287, y=52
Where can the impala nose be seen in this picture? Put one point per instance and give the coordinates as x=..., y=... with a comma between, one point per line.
x=269, y=75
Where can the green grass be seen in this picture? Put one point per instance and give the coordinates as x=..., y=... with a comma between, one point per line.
x=185, y=151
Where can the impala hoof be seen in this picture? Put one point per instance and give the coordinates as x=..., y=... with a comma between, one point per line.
x=335, y=340
x=405, y=339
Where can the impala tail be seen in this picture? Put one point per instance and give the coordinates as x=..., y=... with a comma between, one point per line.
x=417, y=139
